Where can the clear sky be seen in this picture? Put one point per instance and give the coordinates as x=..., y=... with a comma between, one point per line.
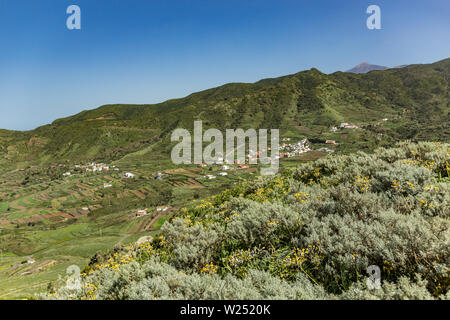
x=148, y=51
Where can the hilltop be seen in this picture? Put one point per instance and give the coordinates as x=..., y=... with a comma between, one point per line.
x=413, y=99
x=366, y=67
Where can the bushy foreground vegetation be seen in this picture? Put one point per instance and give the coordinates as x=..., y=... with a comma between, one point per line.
x=307, y=233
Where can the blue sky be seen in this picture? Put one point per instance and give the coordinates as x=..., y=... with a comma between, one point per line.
x=138, y=51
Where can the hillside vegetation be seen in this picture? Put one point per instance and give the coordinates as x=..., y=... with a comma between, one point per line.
x=415, y=99
x=103, y=179
x=307, y=233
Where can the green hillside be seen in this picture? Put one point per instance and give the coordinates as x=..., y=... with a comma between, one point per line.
x=56, y=211
x=414, y=99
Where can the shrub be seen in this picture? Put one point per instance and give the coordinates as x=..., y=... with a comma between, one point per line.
x=307, y=233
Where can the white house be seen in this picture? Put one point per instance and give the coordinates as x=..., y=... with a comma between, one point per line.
x=141, y=213
x=223, y=174
x=129, y=175
x=345, y=125
x=162, y=209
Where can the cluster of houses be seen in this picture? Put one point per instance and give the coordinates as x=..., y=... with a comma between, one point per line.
x=222, y=173
x=344, y=125
x=93, y=167
x=288, y=150
x=98, y=167
x=144, y=212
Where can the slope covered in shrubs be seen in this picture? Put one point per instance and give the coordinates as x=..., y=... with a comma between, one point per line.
x=307, y=233
x=301, y=105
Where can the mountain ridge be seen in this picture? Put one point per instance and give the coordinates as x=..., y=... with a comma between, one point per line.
x=304, y=104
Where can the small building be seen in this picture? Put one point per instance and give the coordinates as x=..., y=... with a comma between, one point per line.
x=67, y=174
x=129, y=175
x=333, y=129
x=223, y=174
x=107, y=185
x=330, y=142
x=31, y=261
x=345, y=125
x=141, y=213
x=162, y=209
x=225, y=167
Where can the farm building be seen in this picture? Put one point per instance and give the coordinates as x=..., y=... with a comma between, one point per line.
x=141, y=213
x=162, y=209
x=129, y=175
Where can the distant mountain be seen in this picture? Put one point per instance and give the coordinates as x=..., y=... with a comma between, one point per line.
x=365, y=67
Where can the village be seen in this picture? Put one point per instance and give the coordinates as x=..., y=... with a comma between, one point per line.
x=97, y=168
x=287, y=149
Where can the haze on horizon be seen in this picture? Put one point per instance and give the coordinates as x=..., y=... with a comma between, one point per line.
x=141, y=53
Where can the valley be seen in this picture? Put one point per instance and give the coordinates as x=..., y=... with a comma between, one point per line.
x=56, y=211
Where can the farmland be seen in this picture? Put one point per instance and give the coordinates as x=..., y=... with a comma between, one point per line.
x=61, y=221
x=103, y=178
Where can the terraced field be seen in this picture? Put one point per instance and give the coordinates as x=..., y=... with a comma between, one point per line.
x=61, y=221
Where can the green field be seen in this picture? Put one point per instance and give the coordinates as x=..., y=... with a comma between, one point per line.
x=45, y=221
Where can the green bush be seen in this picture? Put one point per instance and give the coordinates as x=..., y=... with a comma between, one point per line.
x=307, y=233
